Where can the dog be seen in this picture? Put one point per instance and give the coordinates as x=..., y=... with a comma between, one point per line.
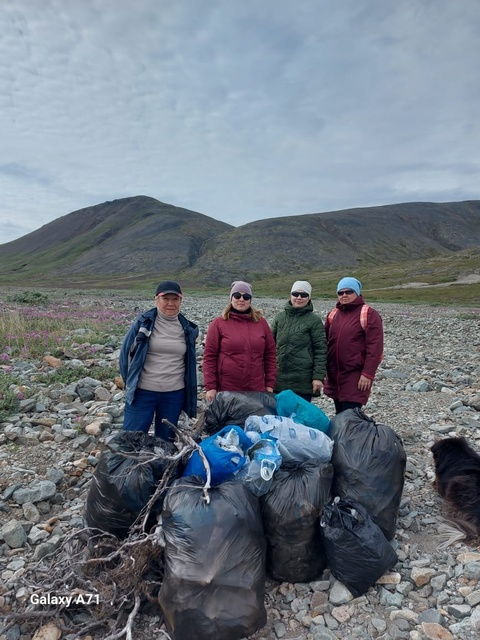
x=457, y=480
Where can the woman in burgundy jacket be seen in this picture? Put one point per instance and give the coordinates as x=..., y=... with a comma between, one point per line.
x=355, y=346
x=239, y=352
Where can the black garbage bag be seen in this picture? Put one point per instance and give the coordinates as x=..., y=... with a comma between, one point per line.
x=214, y=581
x=233, y=407
x=291, y=513
x=124, y=480
x=369, y=466
x=358, y=553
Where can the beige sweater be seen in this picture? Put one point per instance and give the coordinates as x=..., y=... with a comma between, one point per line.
x=164, y=367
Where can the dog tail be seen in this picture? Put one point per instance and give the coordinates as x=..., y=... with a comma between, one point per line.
x=455, y=530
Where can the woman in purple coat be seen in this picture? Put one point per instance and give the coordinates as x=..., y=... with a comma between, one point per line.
x=355, y=346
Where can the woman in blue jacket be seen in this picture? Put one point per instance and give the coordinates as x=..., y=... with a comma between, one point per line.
x=158, y=365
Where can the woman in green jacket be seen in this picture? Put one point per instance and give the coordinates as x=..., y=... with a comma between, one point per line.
x=301, y=344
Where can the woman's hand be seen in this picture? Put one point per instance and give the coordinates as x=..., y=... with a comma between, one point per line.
x=269, y=389
x=317, y=386
x=364, y=383
x=210, y=395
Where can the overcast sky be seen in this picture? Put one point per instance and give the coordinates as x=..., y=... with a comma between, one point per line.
x=238, y=109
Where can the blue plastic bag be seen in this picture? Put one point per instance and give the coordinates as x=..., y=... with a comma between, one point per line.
x=290, y=405
x=223, y=463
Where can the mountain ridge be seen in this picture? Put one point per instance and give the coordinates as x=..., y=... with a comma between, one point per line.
x=141, y=237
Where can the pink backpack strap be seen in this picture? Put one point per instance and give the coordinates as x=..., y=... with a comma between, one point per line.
x=332, y=315
x=364, y=316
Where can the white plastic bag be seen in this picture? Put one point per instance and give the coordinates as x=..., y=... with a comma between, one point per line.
x=296, y=442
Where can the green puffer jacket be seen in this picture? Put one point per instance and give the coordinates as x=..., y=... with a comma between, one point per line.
x=301, y=348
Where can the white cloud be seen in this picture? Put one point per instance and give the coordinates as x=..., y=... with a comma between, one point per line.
x=240, y=110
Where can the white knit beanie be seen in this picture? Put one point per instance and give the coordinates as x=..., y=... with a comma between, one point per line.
x=302, y=285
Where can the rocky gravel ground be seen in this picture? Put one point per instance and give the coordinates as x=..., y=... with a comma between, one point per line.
x=428, y=387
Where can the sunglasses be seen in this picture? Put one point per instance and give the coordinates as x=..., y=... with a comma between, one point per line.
x=345, y=292
x=245, y=296
x=299, y=294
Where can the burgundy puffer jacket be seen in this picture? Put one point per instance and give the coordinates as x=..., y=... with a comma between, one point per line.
x=239, y=355
x=352, y=351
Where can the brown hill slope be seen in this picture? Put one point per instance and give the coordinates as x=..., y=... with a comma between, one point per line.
x=341, y=239
x=137, y=235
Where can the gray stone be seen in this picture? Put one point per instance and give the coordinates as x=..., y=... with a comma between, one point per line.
x=438, y=582
x=36, y=535
x=389, y=599
x=16, y=564
x=475, y=619
x=330, y=621
x=460, y=628
x=75, y=363
x=459, y=611
x=44, y=507
x=30, y=512
x=69, y=433
x=339, y=594
x=43, y=549
x=13, y=633
x=85, y=394
x=472, y=570
x=55, y=475
x=36, y=492
x=402, y=624
x=323, y=633
x=432, y=615
x=379, y=624
x=10, y=490
x=4, y=507
x=82, y=441
x=14, y=534
x=320, y=585
x=27, y=405
x=115, y=411
x=421, y=386
x=102, y=394
x=473, y=599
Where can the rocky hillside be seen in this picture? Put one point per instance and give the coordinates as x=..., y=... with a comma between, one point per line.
x=132, y=236
x=348, y=238
x=140, y=237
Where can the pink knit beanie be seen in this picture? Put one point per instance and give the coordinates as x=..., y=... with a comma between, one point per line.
x=240, y=287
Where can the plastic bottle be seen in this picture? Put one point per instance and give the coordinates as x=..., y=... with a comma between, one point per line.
x=265, y=458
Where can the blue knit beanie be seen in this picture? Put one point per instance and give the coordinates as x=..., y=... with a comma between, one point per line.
x=350, y=283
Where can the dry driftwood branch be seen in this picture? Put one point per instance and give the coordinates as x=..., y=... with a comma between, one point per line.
x=190, y=441
x=127, y=630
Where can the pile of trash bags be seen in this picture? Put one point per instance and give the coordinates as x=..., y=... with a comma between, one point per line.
x=276, y=489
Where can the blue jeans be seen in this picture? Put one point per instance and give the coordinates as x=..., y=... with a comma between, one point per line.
x=147, y=404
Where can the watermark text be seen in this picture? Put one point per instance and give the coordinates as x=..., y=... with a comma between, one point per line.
x=71, y=600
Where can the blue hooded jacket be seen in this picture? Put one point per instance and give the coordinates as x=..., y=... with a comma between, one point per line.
x=134, y=351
